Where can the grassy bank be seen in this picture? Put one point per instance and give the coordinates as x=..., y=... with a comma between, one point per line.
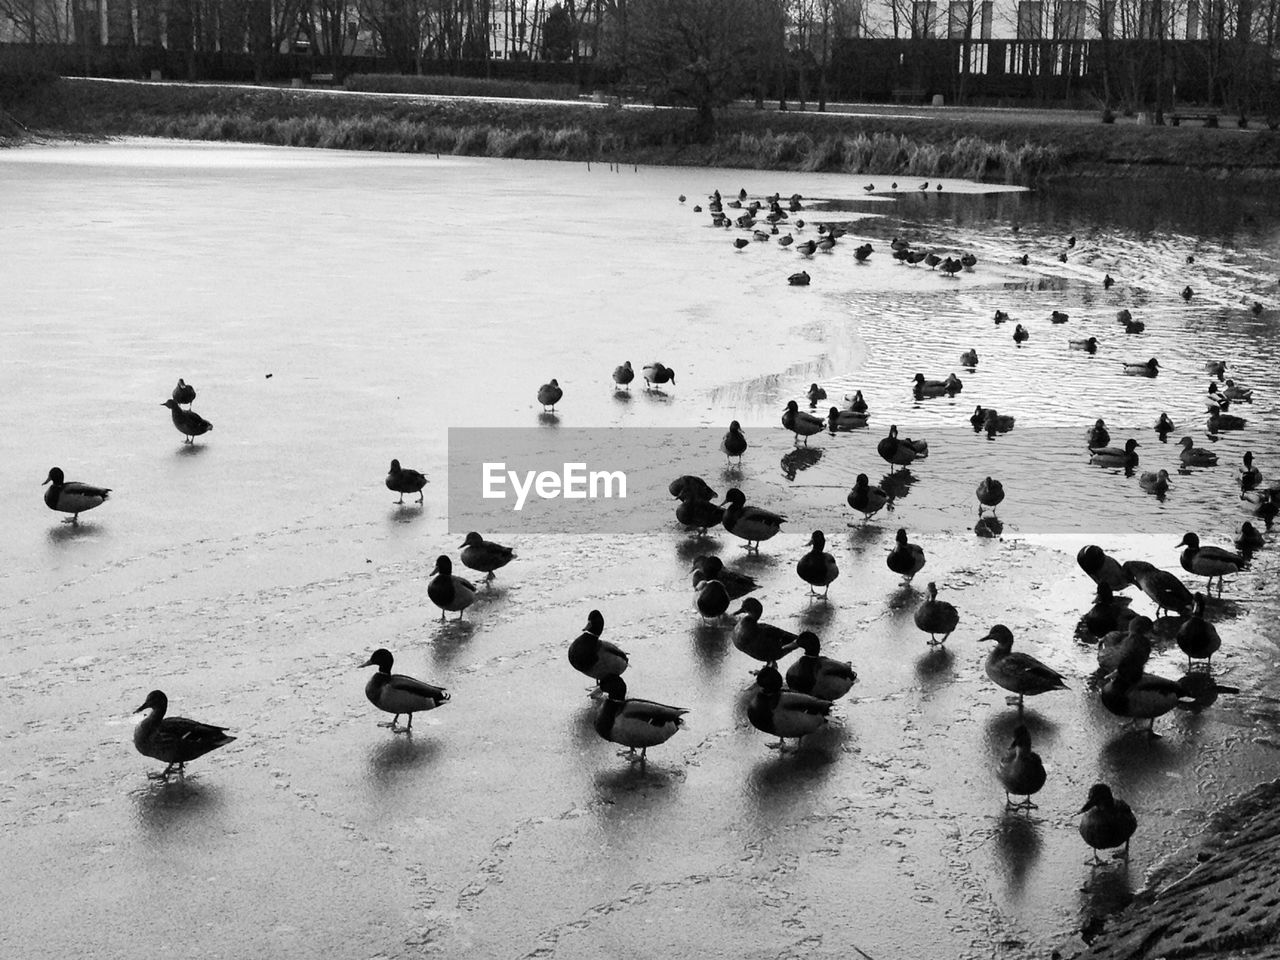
x=993, y=146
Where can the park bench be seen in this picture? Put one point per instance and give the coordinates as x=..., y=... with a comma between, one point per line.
x=908, y=94
x=326, y=78
x=1210, y=119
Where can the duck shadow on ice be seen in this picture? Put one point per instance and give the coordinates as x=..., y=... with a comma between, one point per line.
x=711, y=642
x=691, y=547
x=70, y=532
x=548, y=419
x=406, y=513
x=162, y=805
x=400, y=754
x=818, y=611
x=1002, y=721
x=801, y=458
x=450, y=639
x=935, y=668
x=190, y=450
x=1018, y=842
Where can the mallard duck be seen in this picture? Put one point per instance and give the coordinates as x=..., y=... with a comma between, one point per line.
x=73, y=498
x=905, y=558
x=689, y=485
x=1209, y=561
x=1249, y=539
x=1217, y=368
x=928, y=388
x=1099, y=436
x=1001, y=317
x=1250, y=476
x=967, y=260
x=549, y=394
x=1164, y=425
x=1103, y=569
x=842, y=421
x=1164, y=589
x=819, y=676
x=760, y=641
x=856, y=403
x=697, y=512
x=862, y=252
x=1233, y=391
x=633, y=722
x=184, y=392
x=800, y=423
x=711, y=567
x=1148, y=368
x=1108, y=613
x=485, y=555
x=990, y=494
x=935, y=616
x=448, y=592
x=655, y=374
x=712, y=600
x=866, y=499
x=815, y=394
x=994, y=423
x=1134, y=326
x=734, y=443
x=1021, y=772
x=1107, y=822
x=806, y=249
x=175, y=740
x=951, y=266
x=1020, y=334
x=401, y=480
x=1108, y=281
x=1131, y=692
x=596, y=658
x=1116, y=456
x=1197, y=637
x=752, y=524
x=395, y=693
x=786, y=240
x=799, y=279
x=1059, y=317
x=1157, y=483
x=1131, y=643
x=969, y=358
x=1187, y=292
x=953, y=384
x=1215, y=401
x=1088, y=345
x=187, y=422
x=1193, y=456
x=1219, y=421
x=901, y=452
x=784, y=713
x=623, y=375
x=816, y=568
x=1018, y=672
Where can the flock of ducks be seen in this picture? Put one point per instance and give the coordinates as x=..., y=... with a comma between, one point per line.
x=799, y=703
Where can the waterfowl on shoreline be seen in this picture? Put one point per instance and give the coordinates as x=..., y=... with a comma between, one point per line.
x=187, y=422
x=935, y=616
x=734, y=443
x=760, y=641
x=655, y=375
x=799, y=279
x=402, y=480
x=816, y=568
x=711, y=567
x=712, y=600
x=1021, y=771
x=1116, y=456
x=819, y=676
x=1193, y=456
x=633, y=722
x=1108, y=613
x=752, y=524
x=396, y=693
x=1209, y=561
x=174, y=740
x=866, y=499
x=71, y=496
x=623, y=374
x=990, y=494
x=690, y=485
x=485, y=555
x=1107, y=822
x=594, y=657
x=1197, y=637
x=448, y=592
x=698, y=512
x=184, y=392
x=800, y=423
x=1131, y=643
x=1148, y=368
x=906, y=559
x=1135, y=694
x=1164, y=589
x=549, y=394
x=1018, y=672
x=784, y=713
x=901, y=452
x=842, y=421
x=1102, y=569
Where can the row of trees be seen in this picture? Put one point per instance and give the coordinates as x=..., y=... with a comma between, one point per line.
x=690, y=51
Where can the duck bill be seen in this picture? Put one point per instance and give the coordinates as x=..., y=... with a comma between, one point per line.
x=739, y=612
x=1089, y=805
x=141, y=708
x=987, y=637
x=435, y=571
x=367, y=663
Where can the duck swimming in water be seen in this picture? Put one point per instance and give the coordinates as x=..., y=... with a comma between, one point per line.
x=1148, y=368
x=842, y=421
x=1088, y=345
x=928, y=388
x=1157, y=483
x=1250, y=475
x=1193, y=456
x=1116, y=456
x=1164, y=426
x=1098, y=435
x=1020, y=334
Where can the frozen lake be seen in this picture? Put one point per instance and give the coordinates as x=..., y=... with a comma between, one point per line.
x=336, y=310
